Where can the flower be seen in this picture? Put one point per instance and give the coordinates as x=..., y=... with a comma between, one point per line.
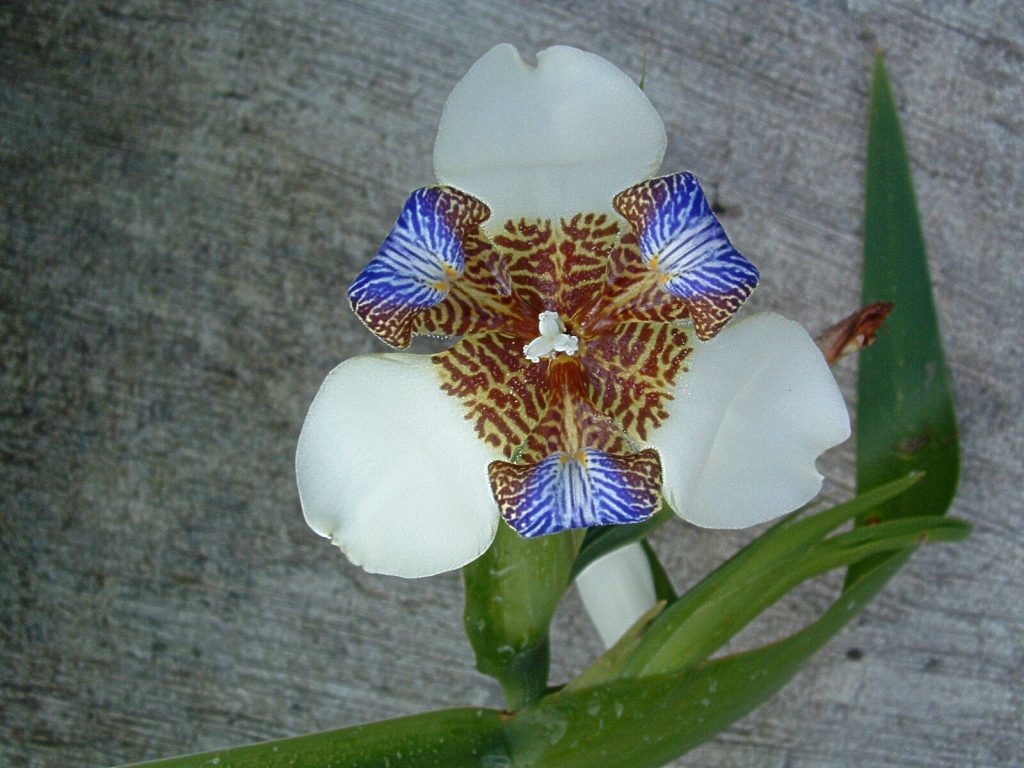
x=594, y=372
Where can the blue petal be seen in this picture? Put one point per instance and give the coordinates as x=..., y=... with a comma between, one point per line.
x=578, y=490
x=681, y=237
x=414, y=267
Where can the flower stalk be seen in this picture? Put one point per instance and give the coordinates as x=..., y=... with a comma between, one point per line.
x=512, y=592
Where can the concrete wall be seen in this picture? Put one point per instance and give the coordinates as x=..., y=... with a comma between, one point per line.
x=188, y=189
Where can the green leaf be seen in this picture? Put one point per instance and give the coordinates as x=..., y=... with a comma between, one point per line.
x=512, y=591
x=696, y=624
x=609, y=665
x=663, y=587
x=453, y=738
x=857, y=547
x=907, y=531
x=646, y=722
x=905, y=416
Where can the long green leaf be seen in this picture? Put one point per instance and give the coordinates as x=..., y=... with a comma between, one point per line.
x=693, y=624
x=905, y=416
x=664, y=589
x=922, y=529
x=608, y=665
x=646, y=722
x=700, y=632
x=454, y=738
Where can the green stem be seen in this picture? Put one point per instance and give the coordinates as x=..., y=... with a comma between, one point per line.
x=512, y=591
x=524, y=678
x=454, y=738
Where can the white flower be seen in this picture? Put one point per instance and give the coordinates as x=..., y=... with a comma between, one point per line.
x=594, y=372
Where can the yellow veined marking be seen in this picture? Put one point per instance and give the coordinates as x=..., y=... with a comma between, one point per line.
x=622, y=299
x=484, y=298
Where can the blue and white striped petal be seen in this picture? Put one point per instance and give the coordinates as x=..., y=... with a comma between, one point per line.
x=682, y=239
x=417, y=263
x=578, y=490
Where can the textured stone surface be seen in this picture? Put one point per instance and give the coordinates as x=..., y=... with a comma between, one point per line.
x=189, y=187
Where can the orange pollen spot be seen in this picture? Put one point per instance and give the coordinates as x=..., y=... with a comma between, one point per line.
x=450, y=271
x=439, y=285
x=655, y=260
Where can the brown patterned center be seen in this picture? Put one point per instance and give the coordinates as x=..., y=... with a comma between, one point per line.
x=612, y=391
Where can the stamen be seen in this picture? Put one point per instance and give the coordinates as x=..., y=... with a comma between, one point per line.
x=552, y=340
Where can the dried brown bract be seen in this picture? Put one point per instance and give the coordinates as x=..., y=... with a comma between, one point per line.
x=853, y=333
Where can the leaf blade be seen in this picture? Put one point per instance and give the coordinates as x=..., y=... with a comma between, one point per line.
x=452, y=738
x=646, y=722
x=905, y=415
x=699, y=620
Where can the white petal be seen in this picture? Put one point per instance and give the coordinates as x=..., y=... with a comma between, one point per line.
x=755, y=409
x=616, y=590
x=390, y=470
x=552, y=140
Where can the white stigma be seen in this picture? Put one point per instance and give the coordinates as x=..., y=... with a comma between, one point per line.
x=552, y=340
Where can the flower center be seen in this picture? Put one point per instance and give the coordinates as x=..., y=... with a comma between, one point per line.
x=552, y=340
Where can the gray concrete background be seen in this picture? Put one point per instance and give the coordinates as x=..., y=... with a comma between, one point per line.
x=187, y=190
